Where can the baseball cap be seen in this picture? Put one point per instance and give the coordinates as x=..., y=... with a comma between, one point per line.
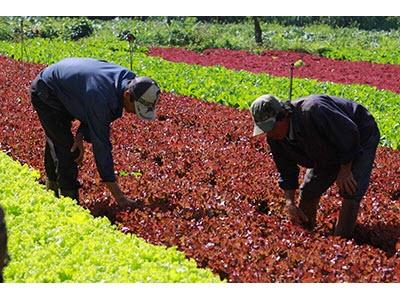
x=264, y=111
x=146, y=93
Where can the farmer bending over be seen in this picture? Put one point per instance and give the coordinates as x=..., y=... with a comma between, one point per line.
x=94, y=92
x=334, y=138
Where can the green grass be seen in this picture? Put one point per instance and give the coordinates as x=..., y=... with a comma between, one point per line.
x=54, y=240
x=338, y=43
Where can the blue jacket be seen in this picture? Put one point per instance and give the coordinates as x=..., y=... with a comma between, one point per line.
x=91, y=91
x=324, y=131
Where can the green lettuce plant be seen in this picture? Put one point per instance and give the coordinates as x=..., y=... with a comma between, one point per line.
x=54, y=240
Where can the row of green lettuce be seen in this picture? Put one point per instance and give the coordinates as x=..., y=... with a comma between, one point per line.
x=54, y=240
x=234, y=88
x=324, y=40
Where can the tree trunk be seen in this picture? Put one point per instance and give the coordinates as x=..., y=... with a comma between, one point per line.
x=257, y=31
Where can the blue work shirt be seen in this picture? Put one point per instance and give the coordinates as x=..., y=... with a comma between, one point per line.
x=91, y=91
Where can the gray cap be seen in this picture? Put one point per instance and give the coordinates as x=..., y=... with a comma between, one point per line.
x=264, y=111
x=146, y=92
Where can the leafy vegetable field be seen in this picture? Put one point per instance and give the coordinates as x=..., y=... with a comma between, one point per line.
x=328, y=41
x=326, y=71
x=210, y=190
x=219, y=84
x=54, y=240
x=277, y=63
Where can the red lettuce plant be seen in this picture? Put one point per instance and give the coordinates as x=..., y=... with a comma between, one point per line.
x=210, y=189
x=277, y=63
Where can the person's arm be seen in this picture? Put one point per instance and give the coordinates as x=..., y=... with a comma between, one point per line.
x=102, y=150
x=98, y=126
x=115, y=190
x=105, y=166
x=288, y=181
x=83, y=130
x=288, y=169
x=289, y=196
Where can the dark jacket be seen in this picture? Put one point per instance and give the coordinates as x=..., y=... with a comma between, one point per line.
x=325, y=131
x=91, y=91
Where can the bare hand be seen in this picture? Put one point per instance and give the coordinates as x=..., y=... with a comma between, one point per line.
x=295, y=214
x=124, y=202
x=78, y=145
x=345, y=181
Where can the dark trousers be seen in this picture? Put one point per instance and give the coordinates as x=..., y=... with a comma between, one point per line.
x=317, y=181
x=56, y=122
x=3, y=244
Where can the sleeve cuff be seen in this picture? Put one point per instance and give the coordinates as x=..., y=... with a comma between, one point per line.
x=288, y=185
x=349, y=157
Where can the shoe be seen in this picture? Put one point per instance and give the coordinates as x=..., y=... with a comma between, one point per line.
x=73, y=194
x=53, y=186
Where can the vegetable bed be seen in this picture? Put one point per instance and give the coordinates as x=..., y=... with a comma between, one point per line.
x=210, y=190
x=54, y=240
x=277, y=63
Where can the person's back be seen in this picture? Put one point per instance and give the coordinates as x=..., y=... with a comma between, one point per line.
x=320, y=106
x=325, y=130
x=80, y=83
